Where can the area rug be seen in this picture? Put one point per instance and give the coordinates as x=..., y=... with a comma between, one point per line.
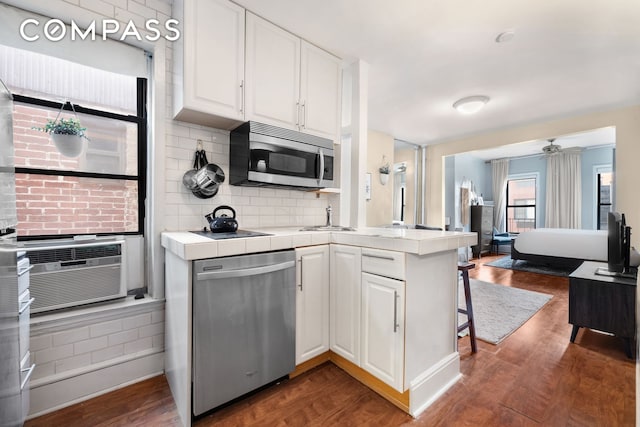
x=499, y=310
x=520, y=265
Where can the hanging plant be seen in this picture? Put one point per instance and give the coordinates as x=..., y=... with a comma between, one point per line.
x=67, y=134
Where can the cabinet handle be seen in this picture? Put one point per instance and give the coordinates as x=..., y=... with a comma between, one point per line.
x=386, y=258
x=242, y=96
x=395, y=311
x=300, y=285
x=298, y=114
x=304, y=114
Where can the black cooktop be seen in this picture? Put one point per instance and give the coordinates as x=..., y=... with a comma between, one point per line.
x=230, y=235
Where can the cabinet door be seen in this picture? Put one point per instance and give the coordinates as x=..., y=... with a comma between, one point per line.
x=213, y=63
x=345, y=302
x=319, y=92
x=383, y=328
x=272, y=74
x=312, y=302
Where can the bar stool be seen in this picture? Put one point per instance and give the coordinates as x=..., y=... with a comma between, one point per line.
x=464, y=267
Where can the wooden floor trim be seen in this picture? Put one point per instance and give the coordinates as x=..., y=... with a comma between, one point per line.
x=310, y=364
x=401, y=400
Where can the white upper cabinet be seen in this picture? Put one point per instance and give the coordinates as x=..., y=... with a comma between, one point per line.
x=209, y=63
x=232, y=66
x=273, y=74
x=319, y=92
x=312, y=302
x=290, y=83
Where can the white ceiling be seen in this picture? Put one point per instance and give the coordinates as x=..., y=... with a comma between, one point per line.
x=590, y=139
x=568, y=57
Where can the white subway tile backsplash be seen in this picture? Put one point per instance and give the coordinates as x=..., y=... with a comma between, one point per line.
x=53, y=353
x=40, y=342
x=123, y=337
x=118, y=3
x=107, y=353
x=157, y=316
x=159, y=5
x=90, y=345
x=105, y=328
x=70, y=336
x=136, y=321
x=151, y=330
x=74, y=362
x=99, y=6
x=126, y=16
x=43, y=370
x=140, y=9
x=138, y=345
x=158, y=341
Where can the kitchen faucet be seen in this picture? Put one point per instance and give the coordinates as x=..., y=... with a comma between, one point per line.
x=329, y=220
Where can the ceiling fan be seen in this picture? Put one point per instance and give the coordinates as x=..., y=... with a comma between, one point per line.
x=551, y=148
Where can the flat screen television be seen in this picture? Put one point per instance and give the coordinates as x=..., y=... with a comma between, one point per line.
x=619, y=243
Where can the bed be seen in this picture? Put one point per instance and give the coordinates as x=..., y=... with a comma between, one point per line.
x=560, y=246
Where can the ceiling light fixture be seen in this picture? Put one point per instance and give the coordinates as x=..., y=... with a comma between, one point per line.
x=470, y=104
x=505, y=36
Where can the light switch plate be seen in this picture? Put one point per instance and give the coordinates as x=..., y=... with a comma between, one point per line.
x=367, y=186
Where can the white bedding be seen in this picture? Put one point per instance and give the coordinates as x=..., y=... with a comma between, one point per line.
x=564, y=242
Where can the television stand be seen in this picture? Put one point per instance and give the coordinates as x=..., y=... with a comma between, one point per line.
x=604, y=303
x=630, y=274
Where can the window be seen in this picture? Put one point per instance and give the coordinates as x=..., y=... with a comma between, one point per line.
x=521, y=205
x=100, y=192
x=103, y=190
x=604, y=195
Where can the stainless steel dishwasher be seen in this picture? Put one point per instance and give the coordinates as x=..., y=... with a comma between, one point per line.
x=243, y=325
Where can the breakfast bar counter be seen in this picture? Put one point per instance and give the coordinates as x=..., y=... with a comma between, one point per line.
x=380, y=303
x=190, y=246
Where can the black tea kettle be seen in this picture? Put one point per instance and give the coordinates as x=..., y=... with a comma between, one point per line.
x=222, y=223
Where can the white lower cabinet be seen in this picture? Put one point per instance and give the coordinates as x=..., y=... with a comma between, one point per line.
x=312, y=302
x=382, y=352
x=367, y=312
x=345, y=302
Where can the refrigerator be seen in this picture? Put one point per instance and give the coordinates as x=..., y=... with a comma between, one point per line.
x=11, y=378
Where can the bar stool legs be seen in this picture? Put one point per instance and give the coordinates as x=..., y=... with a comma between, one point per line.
x=464, y=267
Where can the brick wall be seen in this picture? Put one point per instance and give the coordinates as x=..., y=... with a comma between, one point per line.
x=50, y=205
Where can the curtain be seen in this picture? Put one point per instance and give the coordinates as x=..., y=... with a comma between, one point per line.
x=564, y=190
x=499, y=174
x=465, y=210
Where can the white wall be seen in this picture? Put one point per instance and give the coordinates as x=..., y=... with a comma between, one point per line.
x=380, y=206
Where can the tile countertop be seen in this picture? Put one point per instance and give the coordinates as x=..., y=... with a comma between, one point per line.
x=191, y=246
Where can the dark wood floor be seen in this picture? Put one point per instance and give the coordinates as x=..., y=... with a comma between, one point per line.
x=533, y=378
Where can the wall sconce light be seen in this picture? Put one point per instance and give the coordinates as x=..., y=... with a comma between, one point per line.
x=384, y=170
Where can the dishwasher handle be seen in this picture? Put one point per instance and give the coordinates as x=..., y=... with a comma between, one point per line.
x=244, y=272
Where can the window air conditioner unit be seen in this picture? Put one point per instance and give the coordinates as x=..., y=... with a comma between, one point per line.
x=69, y=273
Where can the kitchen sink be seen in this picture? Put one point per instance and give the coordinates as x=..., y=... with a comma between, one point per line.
x=327, y=228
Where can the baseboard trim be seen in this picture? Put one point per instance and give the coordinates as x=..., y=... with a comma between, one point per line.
x=53, y=395
x=433, y=383
x=401, y=400
x=310, y=364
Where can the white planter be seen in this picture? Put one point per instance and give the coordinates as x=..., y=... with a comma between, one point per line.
x=68, y=145
x=384, y=178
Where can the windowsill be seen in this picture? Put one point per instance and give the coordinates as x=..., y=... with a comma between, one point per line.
x=65, y=319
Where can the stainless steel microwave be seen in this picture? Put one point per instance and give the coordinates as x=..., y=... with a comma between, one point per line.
x=269, y=156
